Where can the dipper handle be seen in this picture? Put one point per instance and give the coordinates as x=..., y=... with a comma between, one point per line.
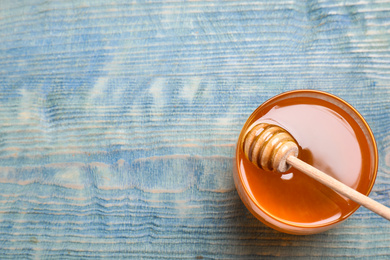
x=339, y=187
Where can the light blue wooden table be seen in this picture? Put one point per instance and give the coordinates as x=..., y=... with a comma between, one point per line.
x=118, y=122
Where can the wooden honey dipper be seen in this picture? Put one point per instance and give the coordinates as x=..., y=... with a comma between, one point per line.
x=272, y=148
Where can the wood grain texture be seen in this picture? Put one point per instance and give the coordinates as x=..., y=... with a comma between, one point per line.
x=118, y=122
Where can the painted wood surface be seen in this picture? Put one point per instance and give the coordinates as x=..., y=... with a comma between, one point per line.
x=118, y=122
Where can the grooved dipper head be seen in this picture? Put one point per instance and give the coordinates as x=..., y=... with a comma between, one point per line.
x=268, y=146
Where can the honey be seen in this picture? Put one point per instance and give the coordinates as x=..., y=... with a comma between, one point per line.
x=332, y=137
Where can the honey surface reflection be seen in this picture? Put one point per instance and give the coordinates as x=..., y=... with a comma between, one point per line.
x=331, y=140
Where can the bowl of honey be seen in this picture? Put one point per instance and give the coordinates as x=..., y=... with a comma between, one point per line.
x=333, y=137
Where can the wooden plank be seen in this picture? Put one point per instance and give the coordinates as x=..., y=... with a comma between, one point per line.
x=118, y=122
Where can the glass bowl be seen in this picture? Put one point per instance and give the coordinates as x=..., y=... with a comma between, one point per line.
x=333, y=137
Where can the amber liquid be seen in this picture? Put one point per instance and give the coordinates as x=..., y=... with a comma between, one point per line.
x=330, y=140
